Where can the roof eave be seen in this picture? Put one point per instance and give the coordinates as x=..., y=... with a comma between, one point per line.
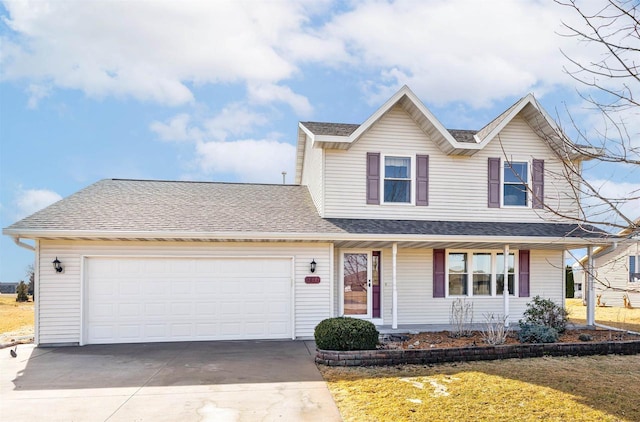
x=262, y=236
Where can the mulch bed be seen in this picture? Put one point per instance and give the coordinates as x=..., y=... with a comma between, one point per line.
x=445, y=339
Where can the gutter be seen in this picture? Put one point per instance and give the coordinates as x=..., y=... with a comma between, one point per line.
x=327, y=237
x=17, y=241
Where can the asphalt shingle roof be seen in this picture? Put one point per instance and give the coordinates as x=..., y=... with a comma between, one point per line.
x=331, y=129
x=135, y=205
x=346, y=129
x=465, y=228
x=114, y=205
x=465, y=136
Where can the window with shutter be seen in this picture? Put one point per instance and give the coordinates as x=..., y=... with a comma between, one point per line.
x=537, y=180
x=494, y=183
x=373, y=178
x=523, y=275
x=422, y=180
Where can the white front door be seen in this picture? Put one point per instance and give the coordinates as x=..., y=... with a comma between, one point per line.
x=356, y=284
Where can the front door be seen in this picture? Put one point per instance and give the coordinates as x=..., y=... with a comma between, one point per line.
x=361, y=284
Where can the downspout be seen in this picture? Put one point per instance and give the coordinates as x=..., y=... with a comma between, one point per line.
x=17, y=241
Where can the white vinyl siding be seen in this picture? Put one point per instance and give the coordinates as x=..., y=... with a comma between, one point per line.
x=60, y=305
x=457, y=184
x=416, y=304
x=312, y=174
x=612, y=270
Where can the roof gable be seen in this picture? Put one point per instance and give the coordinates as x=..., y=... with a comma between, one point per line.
x=450, y=141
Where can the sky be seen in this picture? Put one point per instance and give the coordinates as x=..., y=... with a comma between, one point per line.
x=213, y=91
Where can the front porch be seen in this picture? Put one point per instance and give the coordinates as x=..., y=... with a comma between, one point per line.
x=409, y=285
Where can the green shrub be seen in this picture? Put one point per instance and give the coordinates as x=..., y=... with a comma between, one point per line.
x=21, y=292
x=570, y=284
x=544, y=312
x=532, y=333
x=346, y=334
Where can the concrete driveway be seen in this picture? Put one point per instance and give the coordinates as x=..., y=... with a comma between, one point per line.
x=199, y=381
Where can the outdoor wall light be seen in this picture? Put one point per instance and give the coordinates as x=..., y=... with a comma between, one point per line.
x=313, y=266
x=56, y=265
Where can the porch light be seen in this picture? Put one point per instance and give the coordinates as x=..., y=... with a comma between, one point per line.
x=313, y=266
x=56, y=265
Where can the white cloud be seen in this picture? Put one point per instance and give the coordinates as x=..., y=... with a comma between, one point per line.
x=235, y=119
x=458, y=50
x=269, y=93
x=152, y=51
x=176, y=129
x=31, y=200
x=36, y=93
x=218, y=151
x=250, y=160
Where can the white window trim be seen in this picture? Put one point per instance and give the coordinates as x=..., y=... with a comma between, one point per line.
x=494, y=281
x=505, y=164
x=412, y=180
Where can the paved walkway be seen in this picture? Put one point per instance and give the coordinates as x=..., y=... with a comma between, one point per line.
x=203, y=381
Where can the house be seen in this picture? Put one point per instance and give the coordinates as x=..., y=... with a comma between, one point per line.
x=616, y=270
x=8, y=287
x=390, y=220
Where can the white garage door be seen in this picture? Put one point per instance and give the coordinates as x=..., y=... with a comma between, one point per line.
x=132, y=300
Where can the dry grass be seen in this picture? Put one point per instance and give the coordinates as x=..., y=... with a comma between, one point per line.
x=600, y=388
x=628, y=319
x=15, y=316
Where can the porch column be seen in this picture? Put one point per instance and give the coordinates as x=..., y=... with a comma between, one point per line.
x=591, y=291
x=505, y=290
x=394, y=294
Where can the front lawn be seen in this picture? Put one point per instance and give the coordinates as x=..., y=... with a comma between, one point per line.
x=628, y=319
x=595, y=388
x=16, y=318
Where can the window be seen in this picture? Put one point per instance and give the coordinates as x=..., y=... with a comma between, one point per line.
x=458, y=274
x=500, y=274
x=634, y=269
x=397, y=179
x=486, y=277
x=515, y=182
x=482, y=274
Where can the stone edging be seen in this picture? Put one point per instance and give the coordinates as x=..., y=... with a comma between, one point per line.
x=466, y=354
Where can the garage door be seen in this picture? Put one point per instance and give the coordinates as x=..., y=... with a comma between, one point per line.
x=151, y=300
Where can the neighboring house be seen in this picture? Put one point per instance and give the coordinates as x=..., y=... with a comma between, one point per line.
x=616, y=270
x=400, y=215
x=8, y=287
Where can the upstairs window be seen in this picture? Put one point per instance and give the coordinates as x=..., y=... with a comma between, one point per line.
x=397, y=179
x=515, y=182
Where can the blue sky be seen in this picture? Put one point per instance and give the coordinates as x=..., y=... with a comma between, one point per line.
x=214, y=90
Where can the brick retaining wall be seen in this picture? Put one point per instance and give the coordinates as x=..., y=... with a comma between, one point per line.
x=465, y=354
